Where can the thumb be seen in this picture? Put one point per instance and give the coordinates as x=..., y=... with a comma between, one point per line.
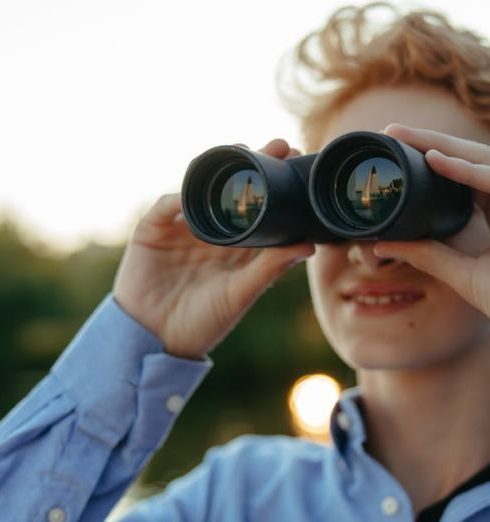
x=436, y=259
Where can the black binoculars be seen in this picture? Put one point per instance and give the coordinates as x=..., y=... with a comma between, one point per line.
x=362, y=185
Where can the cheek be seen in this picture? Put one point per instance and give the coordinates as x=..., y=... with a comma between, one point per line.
x=441, y=328
x=448, y=329
x=325, y=270
x=326, y=266
x=453, y=323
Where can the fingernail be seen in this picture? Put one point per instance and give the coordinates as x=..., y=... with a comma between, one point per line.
x=433, y=153
x=389, y=127
x=395, y=127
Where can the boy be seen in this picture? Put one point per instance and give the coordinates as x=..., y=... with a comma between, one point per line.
x=411, y=318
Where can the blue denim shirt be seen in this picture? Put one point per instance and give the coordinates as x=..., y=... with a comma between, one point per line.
x=73, y=446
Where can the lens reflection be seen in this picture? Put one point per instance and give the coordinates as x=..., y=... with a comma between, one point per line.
x=371, y=191
x=241, y=199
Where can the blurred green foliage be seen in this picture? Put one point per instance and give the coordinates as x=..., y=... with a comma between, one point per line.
x=45, y=298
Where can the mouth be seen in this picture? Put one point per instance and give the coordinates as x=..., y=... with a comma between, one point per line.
x=381, y=298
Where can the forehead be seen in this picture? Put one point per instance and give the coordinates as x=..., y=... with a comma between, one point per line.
x=416, y=106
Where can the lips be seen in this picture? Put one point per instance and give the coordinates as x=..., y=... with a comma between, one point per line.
x=382, y=295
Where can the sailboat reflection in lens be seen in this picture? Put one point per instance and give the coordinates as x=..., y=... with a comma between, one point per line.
x=372, y=191
x=241, y=200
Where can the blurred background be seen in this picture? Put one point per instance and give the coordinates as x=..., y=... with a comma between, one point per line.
x=102, y=106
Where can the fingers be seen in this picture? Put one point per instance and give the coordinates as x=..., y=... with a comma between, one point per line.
x=163, y=221
x=474, y=175
x=460, y=160
x=424, y=140
x=280, y=148
x=276, y=147
x=436, y=259
x=164, y=210
x=293, y=152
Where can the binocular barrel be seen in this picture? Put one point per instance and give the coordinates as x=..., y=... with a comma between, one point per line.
x=362, y=185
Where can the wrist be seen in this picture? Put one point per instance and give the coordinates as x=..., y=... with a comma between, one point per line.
x=133, y=310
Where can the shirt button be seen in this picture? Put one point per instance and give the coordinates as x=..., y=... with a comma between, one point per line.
x=175, y=403
x=56, y=515
x=390, y=506
x=343, y=420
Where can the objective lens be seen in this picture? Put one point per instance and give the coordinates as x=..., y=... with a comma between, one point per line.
x=368, y=191
x=236, y=198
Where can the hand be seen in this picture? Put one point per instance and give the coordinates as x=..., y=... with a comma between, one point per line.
x=190, y=293
x=462, y=261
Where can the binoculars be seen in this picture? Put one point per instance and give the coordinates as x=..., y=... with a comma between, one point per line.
x=362, y=185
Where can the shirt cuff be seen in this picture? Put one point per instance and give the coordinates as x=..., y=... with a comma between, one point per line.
x=107, y=363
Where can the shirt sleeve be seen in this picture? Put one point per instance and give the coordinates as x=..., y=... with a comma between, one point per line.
x=70, y=449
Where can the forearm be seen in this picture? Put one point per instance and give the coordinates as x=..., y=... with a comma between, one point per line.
x=83, y=434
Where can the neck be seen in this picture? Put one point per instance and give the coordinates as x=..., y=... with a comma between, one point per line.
x=427, y=427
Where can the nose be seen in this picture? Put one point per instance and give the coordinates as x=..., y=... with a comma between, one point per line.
x=361, y=255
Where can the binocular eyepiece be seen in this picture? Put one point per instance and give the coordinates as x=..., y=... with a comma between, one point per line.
x=362, y=185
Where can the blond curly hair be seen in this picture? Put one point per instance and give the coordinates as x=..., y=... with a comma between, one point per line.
x=377, y=45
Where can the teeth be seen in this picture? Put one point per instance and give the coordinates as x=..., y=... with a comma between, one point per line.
x=380, y=300
x=370, y=299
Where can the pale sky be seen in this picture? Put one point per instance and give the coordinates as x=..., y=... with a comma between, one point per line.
x=103, y=103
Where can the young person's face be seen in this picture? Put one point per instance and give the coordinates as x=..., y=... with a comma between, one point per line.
x=384, y=313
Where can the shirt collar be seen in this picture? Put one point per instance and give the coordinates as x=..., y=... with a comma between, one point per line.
x=346, y=423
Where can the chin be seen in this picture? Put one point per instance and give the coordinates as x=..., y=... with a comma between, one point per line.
x=382, y=355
